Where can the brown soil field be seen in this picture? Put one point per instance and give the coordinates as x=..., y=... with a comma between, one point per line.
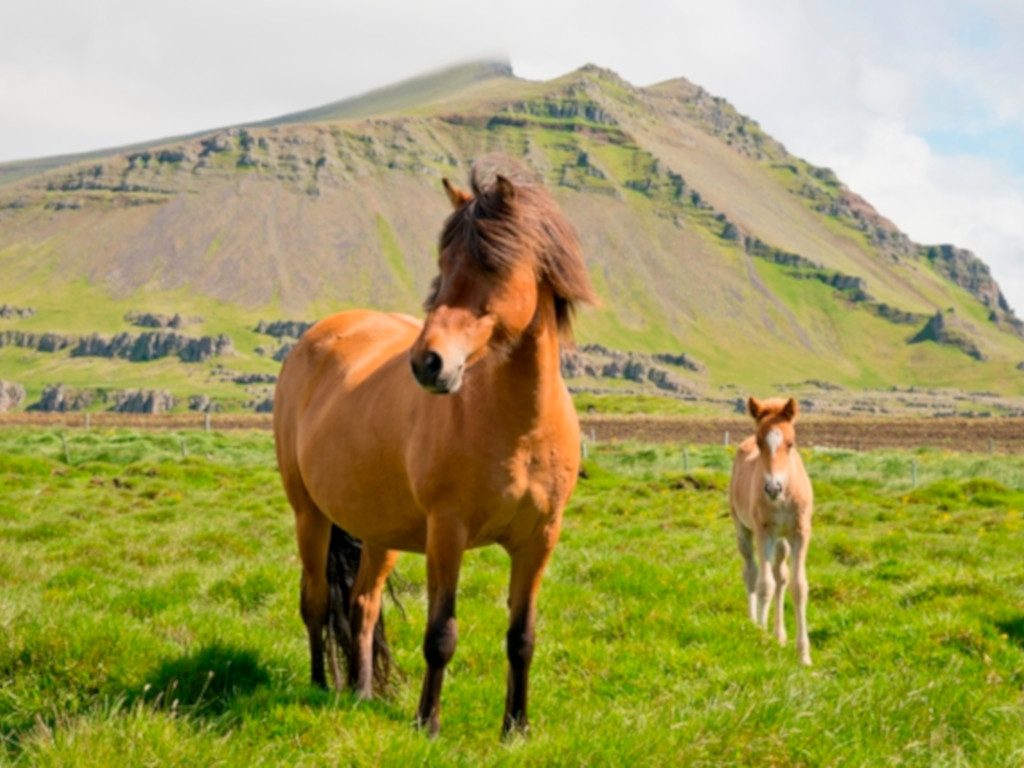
x=1003, y=435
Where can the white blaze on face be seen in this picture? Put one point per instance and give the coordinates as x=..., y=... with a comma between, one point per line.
x=773, y=440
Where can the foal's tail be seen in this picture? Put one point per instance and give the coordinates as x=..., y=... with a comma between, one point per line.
x=342, y=566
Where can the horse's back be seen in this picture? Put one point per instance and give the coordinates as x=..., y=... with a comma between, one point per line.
x=349, y=341
x=339, y=351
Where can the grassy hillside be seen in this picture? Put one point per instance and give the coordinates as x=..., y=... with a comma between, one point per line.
x=150, y=615
x=703, y=235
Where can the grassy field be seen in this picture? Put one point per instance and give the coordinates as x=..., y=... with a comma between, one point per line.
x=148, y=615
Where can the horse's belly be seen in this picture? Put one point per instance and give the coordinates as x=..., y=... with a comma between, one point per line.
x=357, y=477
x=374, y=508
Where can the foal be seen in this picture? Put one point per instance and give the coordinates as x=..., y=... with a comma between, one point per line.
x=771, y=499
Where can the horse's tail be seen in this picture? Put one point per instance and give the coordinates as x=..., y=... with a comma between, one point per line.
x=342, y=566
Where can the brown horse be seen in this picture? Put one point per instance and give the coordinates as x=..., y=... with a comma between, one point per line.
x=772, y=502
x=477, y=444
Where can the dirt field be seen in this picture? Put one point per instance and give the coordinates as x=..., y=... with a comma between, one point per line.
x=1002, y=435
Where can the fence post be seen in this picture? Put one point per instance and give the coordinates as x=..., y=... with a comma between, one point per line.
x=67, y=453
x=913, y=473
x=206, y=420
x=184, y=450
x=725, y=438
x=88, y=420
x=686, y=460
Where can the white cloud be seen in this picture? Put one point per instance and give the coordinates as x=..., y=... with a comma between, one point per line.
x=851, y=85
x=940, y=198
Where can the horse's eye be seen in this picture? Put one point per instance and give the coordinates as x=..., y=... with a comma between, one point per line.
x=789, y=443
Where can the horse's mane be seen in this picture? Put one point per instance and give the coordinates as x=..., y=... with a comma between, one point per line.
x=502, y=221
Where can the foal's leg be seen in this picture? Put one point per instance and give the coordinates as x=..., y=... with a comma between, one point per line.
x=446, y=541
x=765, y=580
x=314, y=534
x=527, y=568
x=799, y=589
x=375, y=563
x=781, y=580
x=745, y=544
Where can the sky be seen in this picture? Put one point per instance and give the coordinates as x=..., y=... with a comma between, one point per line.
x=916, y=104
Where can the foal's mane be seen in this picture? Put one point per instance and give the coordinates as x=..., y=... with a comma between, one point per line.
x=510, y=214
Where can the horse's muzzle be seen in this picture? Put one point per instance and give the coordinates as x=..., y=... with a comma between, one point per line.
x=429, y=370
x=773, y=489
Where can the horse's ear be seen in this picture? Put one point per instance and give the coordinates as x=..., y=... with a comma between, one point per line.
x=457, y=196
x=790, y=410
x=754, y=406
x=506, y=189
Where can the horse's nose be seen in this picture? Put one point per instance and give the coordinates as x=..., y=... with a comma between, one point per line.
x=427, y=367
x=772, y=489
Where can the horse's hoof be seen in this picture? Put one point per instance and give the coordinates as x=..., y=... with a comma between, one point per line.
x=432, y=726
x=805, y=659
x=513, y=728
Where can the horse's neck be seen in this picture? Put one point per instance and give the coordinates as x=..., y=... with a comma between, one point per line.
x=526, y=384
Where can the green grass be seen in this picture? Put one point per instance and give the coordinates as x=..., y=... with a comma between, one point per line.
x=632, y=403
x=132, y=574
x=392, y=252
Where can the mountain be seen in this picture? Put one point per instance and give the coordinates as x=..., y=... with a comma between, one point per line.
x=704, y=236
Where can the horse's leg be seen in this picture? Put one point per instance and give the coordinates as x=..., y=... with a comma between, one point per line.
x=527, y=568
x=799, y=543
x=745, y=544
x=314, y=534
x=446, y=541
x=781, y=580
x=765, y=580
x=375, y=563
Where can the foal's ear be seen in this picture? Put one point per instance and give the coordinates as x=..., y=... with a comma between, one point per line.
x=457, y=197
x=755, y=408
x=790, y=410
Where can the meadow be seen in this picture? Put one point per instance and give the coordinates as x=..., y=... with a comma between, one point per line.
x=149, y=615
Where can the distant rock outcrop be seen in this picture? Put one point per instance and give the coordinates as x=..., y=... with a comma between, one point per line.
x=597, y=361
x=42, y=342
x=10, y=312
x=59, y=398
x=157, y=320
x=11, y=395
x=283, y=351
x=202, y=403
x=266, y=405
x=969, y=272
x=254, y=378
x=143, y=401
x=283, y=328
x=944, y=327
x=153, y=345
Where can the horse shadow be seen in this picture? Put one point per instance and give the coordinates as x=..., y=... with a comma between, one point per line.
x=217, y=678
x=1013, y=628
x=204, y=681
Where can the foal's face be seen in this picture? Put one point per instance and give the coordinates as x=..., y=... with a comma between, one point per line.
x=473, y=310
x=776, y=439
